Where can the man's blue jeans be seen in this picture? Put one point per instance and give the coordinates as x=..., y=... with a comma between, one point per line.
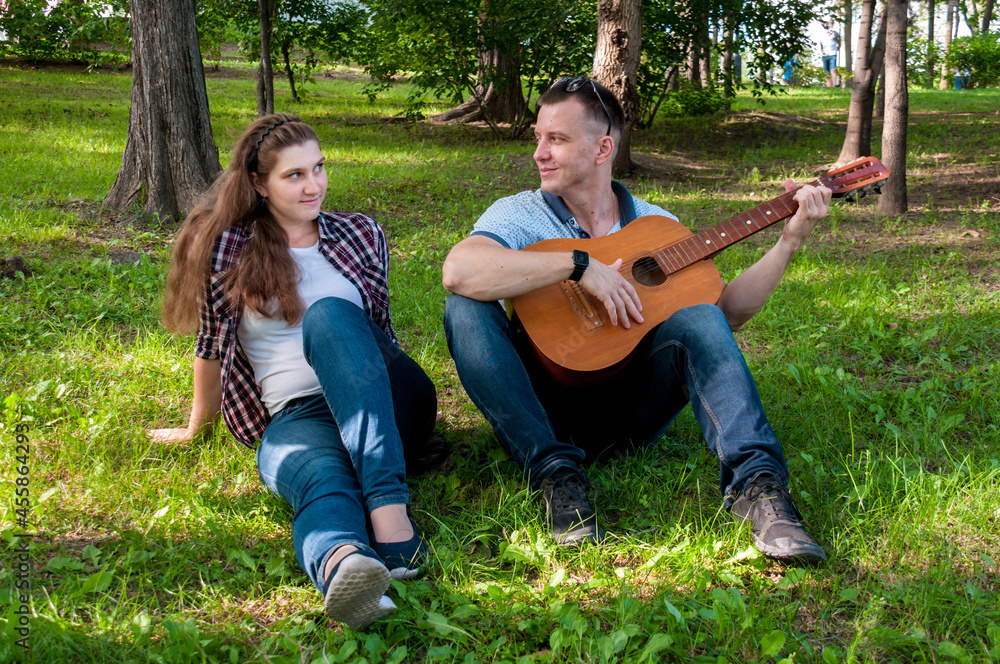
x=690, y=358
x=337, y=456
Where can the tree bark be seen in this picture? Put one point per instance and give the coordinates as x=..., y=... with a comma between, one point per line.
x=945, y=72
x=170, y=156
x=616, y=66
x=930, y=43
x=893, y=198
x=706, y=64
x=285, y=54
x=858, y=139
x=728, y=86
x=694, y=63
x=880, y=94
x=265, y=75
x=987, y=16
x=848, y=37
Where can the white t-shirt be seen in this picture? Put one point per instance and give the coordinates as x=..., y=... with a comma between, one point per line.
x=830, y=43
x=274, y=347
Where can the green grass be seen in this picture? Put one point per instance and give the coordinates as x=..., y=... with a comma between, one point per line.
x=877, y=361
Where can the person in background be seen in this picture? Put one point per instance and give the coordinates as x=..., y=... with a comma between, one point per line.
x=829, y=48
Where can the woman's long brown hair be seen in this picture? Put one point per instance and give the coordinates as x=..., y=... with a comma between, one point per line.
x=265, y=279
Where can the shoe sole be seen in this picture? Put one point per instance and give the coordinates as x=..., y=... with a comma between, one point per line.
x=354, y=596
x=404, y=573
x=791, y=551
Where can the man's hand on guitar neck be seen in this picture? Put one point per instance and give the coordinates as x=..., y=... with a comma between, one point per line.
x=606, y=283
x=814, y=204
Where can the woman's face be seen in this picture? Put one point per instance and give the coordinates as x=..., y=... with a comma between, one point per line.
x=296, y=185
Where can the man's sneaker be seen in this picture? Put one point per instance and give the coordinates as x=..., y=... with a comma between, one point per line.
x=567, y=508
x=776, y=522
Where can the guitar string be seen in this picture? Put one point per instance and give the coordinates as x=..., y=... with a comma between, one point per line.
x=671, y=256
x=693, y=245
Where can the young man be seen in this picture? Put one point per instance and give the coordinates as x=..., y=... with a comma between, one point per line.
x=548, y=428
x=829, y=48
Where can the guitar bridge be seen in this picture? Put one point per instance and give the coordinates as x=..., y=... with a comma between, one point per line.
x=582, y=306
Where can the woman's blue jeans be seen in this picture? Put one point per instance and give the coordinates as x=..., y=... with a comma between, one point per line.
x=690, y=358
x=337, y=456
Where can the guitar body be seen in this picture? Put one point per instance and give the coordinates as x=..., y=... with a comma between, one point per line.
x=670, y=267
x=571, y=329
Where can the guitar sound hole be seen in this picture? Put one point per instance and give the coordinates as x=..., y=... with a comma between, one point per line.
x=647, y=272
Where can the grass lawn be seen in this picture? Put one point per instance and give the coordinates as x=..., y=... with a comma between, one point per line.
x=877, y=361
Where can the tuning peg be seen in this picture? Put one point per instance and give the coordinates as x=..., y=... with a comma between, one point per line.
x=862, y=193
x=852, y=196
x=877, y=188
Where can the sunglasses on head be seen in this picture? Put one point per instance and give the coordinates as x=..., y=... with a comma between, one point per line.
x=574, y=83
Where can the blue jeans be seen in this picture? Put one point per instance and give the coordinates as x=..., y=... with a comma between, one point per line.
x=336, y=456
x=545, y=425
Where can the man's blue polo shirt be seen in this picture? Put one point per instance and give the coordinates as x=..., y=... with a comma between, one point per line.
x=522, y=219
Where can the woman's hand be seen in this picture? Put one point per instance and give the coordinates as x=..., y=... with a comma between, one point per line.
x=162, y=436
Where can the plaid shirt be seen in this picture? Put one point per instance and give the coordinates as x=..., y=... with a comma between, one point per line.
x=353, y=243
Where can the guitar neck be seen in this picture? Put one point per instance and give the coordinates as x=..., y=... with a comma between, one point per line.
x=710, y=242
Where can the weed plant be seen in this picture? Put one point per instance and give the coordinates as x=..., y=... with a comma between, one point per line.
x=877, y=361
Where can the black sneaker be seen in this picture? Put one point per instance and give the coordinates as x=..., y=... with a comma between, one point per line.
x=422, y=458
x=567, y=508
x=776, y=522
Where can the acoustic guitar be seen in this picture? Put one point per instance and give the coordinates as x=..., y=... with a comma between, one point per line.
x=668, y=265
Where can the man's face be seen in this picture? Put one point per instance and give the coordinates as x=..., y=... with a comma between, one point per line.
x=568, y=146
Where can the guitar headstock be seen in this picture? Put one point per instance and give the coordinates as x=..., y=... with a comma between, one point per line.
x=856, y=179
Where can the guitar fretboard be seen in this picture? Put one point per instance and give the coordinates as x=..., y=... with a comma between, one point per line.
x=710, y=242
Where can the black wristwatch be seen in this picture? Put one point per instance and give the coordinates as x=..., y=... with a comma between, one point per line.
x=581, y=260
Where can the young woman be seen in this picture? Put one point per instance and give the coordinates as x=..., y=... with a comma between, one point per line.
x=296, y=348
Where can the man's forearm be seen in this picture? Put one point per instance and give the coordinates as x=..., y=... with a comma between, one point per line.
x=748, y=293
x=486, y=271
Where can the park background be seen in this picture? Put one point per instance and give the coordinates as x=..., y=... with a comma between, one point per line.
x=877, y=360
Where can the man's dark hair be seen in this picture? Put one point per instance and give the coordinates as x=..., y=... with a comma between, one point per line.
x=585, y=94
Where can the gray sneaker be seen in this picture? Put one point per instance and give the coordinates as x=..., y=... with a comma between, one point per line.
x=776, y=522
x=567, y=507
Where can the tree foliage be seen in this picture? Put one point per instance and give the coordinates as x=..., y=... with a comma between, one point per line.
x=66, y=31
x=439, y=44
x=304, y=32
x=771, y=31
x=979, y=56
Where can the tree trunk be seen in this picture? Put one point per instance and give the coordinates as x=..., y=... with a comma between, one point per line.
x=945, y=72
x=706, y=62
x=669, y=81
x=265, y=75
x=503, y=102
x=694, y=63
x=930, y=44
x=880, y=94
x=848, y=37
x=616, y=65
x=728, y=87
x=987, y=16
x=893, y=198
x=288, y=70
x=170, y=157
x=971, y=18
x=858, y=139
